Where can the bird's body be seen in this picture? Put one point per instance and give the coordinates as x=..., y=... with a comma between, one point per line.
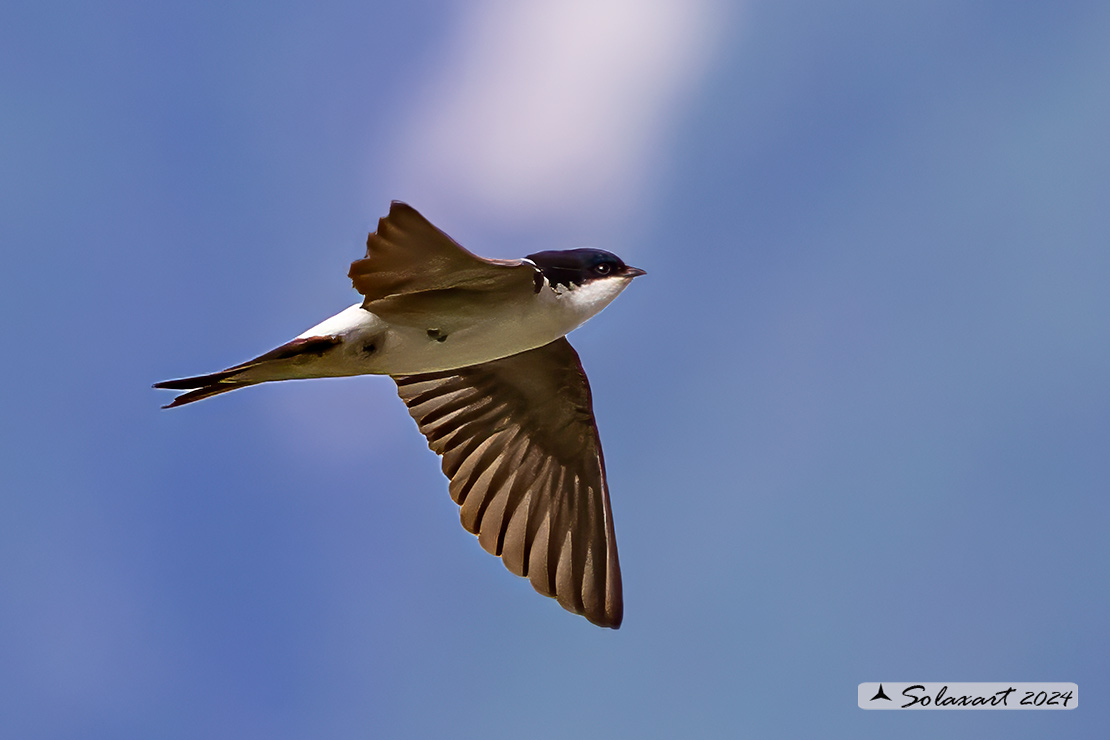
x=455, y=327
x=476, y=347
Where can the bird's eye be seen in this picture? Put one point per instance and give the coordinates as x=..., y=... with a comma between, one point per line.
x=603, y=268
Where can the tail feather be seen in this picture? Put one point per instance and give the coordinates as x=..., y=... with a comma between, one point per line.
x=203, y=386
x=199, y=394
x=276, y=364
x=197, y=381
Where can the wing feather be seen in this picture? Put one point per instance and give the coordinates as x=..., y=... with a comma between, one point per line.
x=407, y=254
x=520, y=448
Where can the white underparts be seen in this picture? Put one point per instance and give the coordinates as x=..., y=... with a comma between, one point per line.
x=475, y=333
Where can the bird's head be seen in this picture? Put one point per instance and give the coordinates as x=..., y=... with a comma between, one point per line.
x=573, y=268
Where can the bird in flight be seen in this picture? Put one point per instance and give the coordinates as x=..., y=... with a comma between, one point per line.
x=478, y=350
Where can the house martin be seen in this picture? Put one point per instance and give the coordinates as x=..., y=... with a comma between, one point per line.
x=478, y=350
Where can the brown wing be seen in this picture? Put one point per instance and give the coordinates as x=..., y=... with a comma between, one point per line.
x=407, y=254
x=521, y=450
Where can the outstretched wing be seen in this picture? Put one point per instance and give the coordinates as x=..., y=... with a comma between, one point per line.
x=521, y=450
x=407, y=254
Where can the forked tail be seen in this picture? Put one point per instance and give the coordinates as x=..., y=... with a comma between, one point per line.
x=291, y=360
x=203, y=386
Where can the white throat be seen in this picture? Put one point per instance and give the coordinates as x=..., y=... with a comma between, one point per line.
x=583, y=302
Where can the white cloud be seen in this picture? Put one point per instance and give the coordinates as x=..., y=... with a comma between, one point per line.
x=539, y=107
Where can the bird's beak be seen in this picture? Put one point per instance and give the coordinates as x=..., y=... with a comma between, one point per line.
x=633, y=272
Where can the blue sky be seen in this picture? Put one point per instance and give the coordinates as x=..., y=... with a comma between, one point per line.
x=856, y=418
